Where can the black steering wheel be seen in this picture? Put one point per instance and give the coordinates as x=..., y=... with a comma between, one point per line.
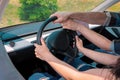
x=60, y=42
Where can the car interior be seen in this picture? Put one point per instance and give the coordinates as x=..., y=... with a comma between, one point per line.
x=17, y=42
x=23, y=56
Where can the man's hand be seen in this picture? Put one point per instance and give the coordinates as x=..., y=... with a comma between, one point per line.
x=73, y=24
x=62, y=16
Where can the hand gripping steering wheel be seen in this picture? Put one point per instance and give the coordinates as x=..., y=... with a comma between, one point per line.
x=59, y=42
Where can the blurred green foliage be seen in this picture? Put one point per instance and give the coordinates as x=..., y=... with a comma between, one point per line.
x=25, y=11
x=36, y=10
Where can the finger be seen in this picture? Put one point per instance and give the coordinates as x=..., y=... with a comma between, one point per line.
x=58, y=20
x=76, y=37
x=42, y=41
x=35, y=50
x=36, y=45
x=37, y=56
x=78, y=40
x=53, y=15
x=35, y=53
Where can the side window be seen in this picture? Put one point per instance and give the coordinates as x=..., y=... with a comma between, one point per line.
x=115, y=8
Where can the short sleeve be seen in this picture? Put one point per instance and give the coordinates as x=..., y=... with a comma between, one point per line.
x=115, y=46
x=113, y=19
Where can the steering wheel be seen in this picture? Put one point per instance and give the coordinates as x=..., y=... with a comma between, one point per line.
x=59, y=42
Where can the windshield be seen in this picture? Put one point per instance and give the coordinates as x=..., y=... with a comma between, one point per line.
x=114, y=8
x=25, y=11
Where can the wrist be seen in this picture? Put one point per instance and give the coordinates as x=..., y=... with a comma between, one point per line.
x=49, y=58
x=80, y=25
x=82, y=49
x=80, y=28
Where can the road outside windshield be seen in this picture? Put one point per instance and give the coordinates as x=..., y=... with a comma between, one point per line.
x=25, y=11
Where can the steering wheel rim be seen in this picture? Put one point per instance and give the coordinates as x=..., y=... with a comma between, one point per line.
x=39, y=33
x=73, y=51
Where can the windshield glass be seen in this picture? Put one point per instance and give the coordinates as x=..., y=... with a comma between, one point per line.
x=25, y=11
x=114, y=8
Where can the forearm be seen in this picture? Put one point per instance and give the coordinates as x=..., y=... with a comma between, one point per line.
x=95, y=38
x=103, y=58
x=70, y=73
x=64, y=69
x=90, y=17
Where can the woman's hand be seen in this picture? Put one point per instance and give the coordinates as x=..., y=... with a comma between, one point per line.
x=79, y=43
x=42, y=52
x=62, y=16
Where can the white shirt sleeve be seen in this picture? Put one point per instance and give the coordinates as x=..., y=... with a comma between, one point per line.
x=108, y=19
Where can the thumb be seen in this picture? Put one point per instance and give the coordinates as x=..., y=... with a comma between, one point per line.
x=59, y=20
x=42, y=41
x=77, y=39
